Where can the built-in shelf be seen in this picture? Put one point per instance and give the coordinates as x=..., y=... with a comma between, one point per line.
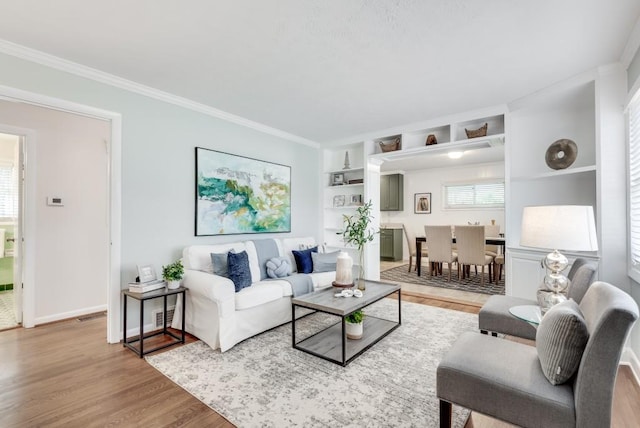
x=351, y=170
x=468, y=144
x=343, y=186
x=557, y=173
x=346, y=207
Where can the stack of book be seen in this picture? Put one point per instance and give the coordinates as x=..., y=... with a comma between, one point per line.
x=143, y=287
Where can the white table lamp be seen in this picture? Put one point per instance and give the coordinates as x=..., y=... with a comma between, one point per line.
x=558, y=227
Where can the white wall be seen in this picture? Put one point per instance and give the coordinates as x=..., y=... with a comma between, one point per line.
x=158, y=164
x=431, y=181
x=71, y=252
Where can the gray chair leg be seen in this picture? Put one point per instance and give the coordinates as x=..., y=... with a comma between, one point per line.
x=445, y=414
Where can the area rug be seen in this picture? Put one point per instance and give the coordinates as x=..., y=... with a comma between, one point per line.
x=264, y=382
x=471, y=284
x=7, y=316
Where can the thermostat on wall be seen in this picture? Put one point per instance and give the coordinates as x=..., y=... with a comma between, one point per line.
x=54, y=201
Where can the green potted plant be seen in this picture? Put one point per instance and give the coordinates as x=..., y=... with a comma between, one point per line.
x=354, y=324
x=173, y=273
x=357, y=232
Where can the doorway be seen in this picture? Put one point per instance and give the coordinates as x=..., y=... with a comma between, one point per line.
x=10, y=226
x=32, y=235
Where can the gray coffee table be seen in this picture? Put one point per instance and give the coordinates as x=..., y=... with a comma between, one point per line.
x=331, y=343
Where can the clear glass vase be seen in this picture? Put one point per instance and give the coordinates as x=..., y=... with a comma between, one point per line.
x=360, y=281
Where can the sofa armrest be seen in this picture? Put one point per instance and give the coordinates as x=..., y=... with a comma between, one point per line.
x=212, y=287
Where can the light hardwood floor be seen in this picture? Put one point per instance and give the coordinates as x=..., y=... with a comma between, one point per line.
x=66, y=375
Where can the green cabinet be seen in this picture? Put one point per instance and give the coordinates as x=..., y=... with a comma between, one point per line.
x=391, y=244
x=392, y=192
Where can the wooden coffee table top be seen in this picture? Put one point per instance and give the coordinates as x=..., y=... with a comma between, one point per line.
x=325, y=301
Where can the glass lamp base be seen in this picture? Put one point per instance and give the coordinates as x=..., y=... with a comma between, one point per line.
x=550, y=300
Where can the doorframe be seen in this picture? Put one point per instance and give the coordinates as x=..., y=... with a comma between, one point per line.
x=115, y=204
x=27, y=199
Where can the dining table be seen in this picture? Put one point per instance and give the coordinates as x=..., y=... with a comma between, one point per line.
x=497, y=240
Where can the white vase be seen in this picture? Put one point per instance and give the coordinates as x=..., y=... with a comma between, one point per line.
x=354, y=331
x=172, y=285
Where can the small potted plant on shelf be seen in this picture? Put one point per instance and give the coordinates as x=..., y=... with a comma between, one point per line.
x=354, y=324
x=357, y=233
x=173, y=273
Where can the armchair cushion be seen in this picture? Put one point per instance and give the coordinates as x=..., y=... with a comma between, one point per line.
x=561, y=338
x=503, y=379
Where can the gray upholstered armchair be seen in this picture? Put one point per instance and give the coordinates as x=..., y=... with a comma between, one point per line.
x=495, y=317
x=506, y=380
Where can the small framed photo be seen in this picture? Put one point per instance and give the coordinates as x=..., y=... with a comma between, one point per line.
x=422, y=203
x=338, y=201
x=355, y=200
x=146, y=273
x=338, y=178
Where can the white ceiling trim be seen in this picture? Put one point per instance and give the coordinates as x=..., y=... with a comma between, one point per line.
x=632, y=46
x=52, y=61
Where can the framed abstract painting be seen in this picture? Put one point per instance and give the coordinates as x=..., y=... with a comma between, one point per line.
x=240, y=195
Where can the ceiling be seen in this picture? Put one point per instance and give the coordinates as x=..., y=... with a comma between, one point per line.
x=331, y=71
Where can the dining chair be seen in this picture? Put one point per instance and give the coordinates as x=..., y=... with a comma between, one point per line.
x=440, y=247
x=471, y=250
x=411, y=242
x=492, y=231
x=498, y=265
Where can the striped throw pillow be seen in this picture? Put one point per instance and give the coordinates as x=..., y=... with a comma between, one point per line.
x=560, y=341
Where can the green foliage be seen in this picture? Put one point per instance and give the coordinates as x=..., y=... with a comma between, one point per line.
x=173, y=271
x=355, y=318
x=356, y=230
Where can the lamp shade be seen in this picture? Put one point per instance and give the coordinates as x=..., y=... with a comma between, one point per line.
x=559, y=227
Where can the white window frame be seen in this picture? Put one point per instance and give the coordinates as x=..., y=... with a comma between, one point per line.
x=471, y=182
x=632, y=116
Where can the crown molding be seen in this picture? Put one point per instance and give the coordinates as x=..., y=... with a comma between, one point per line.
x=632, y=46
x=57, y=63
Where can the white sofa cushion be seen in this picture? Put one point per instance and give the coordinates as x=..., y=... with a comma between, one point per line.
x=253, y=261
x=258, y=293
x=322, y=279
x=198, y=257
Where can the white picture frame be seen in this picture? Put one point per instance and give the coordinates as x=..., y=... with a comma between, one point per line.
x=147, y=273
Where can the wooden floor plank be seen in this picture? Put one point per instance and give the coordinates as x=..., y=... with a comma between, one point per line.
x=64, y=374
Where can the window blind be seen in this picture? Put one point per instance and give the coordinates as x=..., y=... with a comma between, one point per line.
x=474, y=195
x=634, y=182
x=8, y=192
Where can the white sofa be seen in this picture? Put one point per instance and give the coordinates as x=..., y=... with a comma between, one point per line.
x=222, y=317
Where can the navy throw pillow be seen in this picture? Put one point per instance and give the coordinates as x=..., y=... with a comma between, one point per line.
x=304, y=263
x=239, y=272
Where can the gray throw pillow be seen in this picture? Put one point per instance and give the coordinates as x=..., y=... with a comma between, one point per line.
x=324, y=262
x=560, y=341
x=220, y=266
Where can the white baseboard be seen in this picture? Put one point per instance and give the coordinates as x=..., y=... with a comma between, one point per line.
x=630, y=359
x=135, y=331
x=70, y=314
